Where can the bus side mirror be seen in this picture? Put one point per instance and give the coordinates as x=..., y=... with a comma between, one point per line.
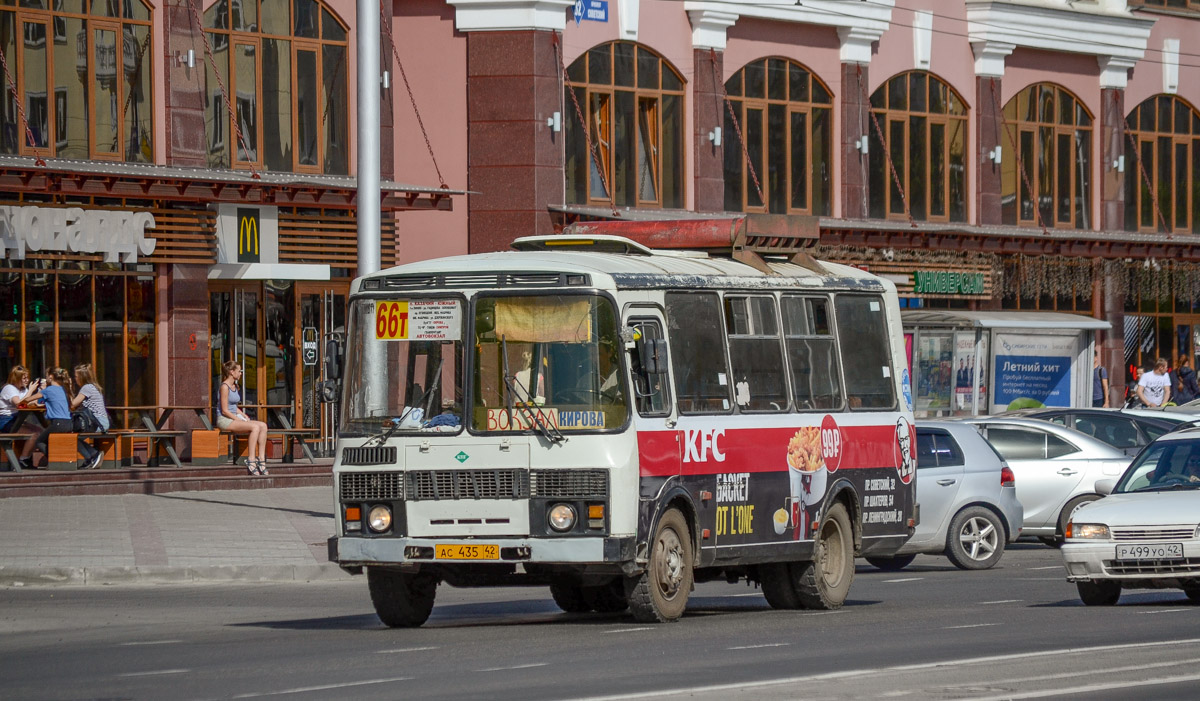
x=652, y=355
x=328, y=391
x=333, y=360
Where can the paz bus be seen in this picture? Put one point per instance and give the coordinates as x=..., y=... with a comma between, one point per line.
x=618, y=422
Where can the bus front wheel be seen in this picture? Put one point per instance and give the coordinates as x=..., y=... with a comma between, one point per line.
x=660, y=593
x=824, y=582
x=401, y=600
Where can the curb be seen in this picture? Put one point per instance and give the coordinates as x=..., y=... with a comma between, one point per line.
x=91, y=576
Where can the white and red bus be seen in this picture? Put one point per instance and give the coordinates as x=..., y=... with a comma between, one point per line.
x=619, y=422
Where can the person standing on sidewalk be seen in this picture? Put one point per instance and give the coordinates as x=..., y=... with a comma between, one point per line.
x=13, y=396
x=1099, y=382
x=1187, y=388
x=1154, y=388
x=91, y=398
x=231, y=418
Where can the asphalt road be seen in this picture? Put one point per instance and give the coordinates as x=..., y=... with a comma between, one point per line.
x=930, y=631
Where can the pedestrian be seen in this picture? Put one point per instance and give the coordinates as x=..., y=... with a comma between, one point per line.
x=1099, y=382
x=1186, y=388
x=231, y=418
x=1154, y=389
x=13, y=396
x=54, y=389
x=90, y=400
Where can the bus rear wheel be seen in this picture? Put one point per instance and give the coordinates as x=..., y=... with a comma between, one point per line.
x=778, y=585
x=824, y=582
x=569, y=597
x=401, y=600
x=606, y=598
x=660, y=593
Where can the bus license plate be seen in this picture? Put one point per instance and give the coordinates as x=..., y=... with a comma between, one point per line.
x=1157, y=551
x=467, y=552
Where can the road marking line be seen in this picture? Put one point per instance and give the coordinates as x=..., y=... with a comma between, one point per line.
x=404, y=649
x=1002, y=601
x=628, y=630
x=520, y=666
x=908, y=579
x=1089, y=672
x=738, y=596
x=154, y=673
x=988, y=660
x=323, y=687
x=1051, y=567
x=1151, y=613
x=151, y=642
x=755, y=647
x=1090, y=688
x=973, y=625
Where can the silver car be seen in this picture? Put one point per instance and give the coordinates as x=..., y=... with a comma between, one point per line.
x=1056, y=468
x=969, y=507
x=1146, y=533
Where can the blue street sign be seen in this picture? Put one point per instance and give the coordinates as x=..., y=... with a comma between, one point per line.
x=591, y=10
x=578, y=11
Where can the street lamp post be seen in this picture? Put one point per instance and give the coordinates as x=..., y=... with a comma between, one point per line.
x=368, y=137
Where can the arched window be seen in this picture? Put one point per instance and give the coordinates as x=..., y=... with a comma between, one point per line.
x=1053, y=133
x=632, y=100
x=1167, y=133
x=84, y=74
x=924, y=123
x=785, y=116
x=284, y=68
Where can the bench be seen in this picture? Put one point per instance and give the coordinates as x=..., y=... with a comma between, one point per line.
x=237, y=442
x=8, y=442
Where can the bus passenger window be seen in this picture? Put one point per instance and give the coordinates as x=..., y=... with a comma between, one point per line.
x=698, y=353
x=812, y=358
x=866, y=351
x=756, y=354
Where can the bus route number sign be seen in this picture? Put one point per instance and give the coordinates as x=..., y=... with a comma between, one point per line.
x=391, y=320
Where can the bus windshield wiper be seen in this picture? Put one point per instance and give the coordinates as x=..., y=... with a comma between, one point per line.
x=536, y=420
x=382, y=437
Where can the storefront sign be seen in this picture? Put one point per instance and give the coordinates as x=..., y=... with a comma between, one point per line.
x=1033, y=370
x=248, y=235
x=947, y=283
x=119, y=235
x=308, y=346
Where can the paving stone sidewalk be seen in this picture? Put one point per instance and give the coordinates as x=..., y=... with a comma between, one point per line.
x=180, y=537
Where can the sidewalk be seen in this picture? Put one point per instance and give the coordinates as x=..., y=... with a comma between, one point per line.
x=177, y=537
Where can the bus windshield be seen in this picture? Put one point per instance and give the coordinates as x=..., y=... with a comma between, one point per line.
x=547, y=363
x=404, y=366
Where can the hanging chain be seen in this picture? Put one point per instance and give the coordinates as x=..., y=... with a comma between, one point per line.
x=712, y=54
x=1012, y=143
x=884, y=145
x=387, y=28
x=1145, y=178
x=237, y=128
x=587, y=133
x=12, y=88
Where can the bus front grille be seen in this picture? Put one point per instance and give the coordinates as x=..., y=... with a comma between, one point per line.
x=369, y=486
x=568, y=484
x=375, y=455
x=427, y=485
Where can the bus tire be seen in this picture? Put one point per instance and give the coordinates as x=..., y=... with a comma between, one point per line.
x=569, y=597
x=824, y=582
x=401, y=600
x=660, y=593
x=777, y=585
x=606, y=598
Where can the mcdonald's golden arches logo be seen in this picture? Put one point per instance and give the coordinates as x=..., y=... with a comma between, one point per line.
x=247, y=241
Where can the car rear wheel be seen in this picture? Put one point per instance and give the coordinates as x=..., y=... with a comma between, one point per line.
x=891, y=564
x=1102, y=593
x=976, y=539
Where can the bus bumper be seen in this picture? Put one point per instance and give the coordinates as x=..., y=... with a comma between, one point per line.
x=354, y=552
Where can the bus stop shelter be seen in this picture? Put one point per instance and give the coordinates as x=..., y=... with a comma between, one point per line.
x=967, y=363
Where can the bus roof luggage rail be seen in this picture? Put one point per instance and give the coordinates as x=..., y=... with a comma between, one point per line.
x=743, y=237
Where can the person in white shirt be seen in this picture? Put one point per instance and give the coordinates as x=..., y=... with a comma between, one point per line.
x=12, y=396
x=1154, y=388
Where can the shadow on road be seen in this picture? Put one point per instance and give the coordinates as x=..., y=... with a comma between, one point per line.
x=303, y=512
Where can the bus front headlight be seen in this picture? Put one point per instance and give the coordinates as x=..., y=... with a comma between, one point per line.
x=380, y=519
x=561, y=517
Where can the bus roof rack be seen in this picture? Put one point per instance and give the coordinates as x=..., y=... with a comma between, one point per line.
x=743, y=237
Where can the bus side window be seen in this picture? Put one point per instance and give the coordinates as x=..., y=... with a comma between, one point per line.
x=649, y=389
x=866, y=351
x=697, y=338
x=812, y=356
x=755, y=354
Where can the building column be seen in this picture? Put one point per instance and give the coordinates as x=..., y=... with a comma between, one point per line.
x=1112, y=150
x=708, y=108
x=993, y=145
x=185, y=88
x=855, y=110
x=188, y=339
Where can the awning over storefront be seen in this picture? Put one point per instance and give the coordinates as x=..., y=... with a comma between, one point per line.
x=1002, y=320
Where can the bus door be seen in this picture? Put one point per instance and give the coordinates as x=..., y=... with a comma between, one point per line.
x=658, y=441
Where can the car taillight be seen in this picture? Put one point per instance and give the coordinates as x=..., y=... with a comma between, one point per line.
x=1007, y=478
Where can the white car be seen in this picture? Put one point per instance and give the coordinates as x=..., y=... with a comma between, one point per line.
x=1056, y=469
x=1146, y=533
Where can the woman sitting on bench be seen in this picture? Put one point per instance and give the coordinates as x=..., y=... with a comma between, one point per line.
x=231, y=418
x=58, y=413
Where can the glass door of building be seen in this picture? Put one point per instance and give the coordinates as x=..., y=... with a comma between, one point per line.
x=321, y=327
x=234, y=335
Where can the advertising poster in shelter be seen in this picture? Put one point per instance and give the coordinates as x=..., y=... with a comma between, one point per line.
x=966, y=386
x=1033, y=370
